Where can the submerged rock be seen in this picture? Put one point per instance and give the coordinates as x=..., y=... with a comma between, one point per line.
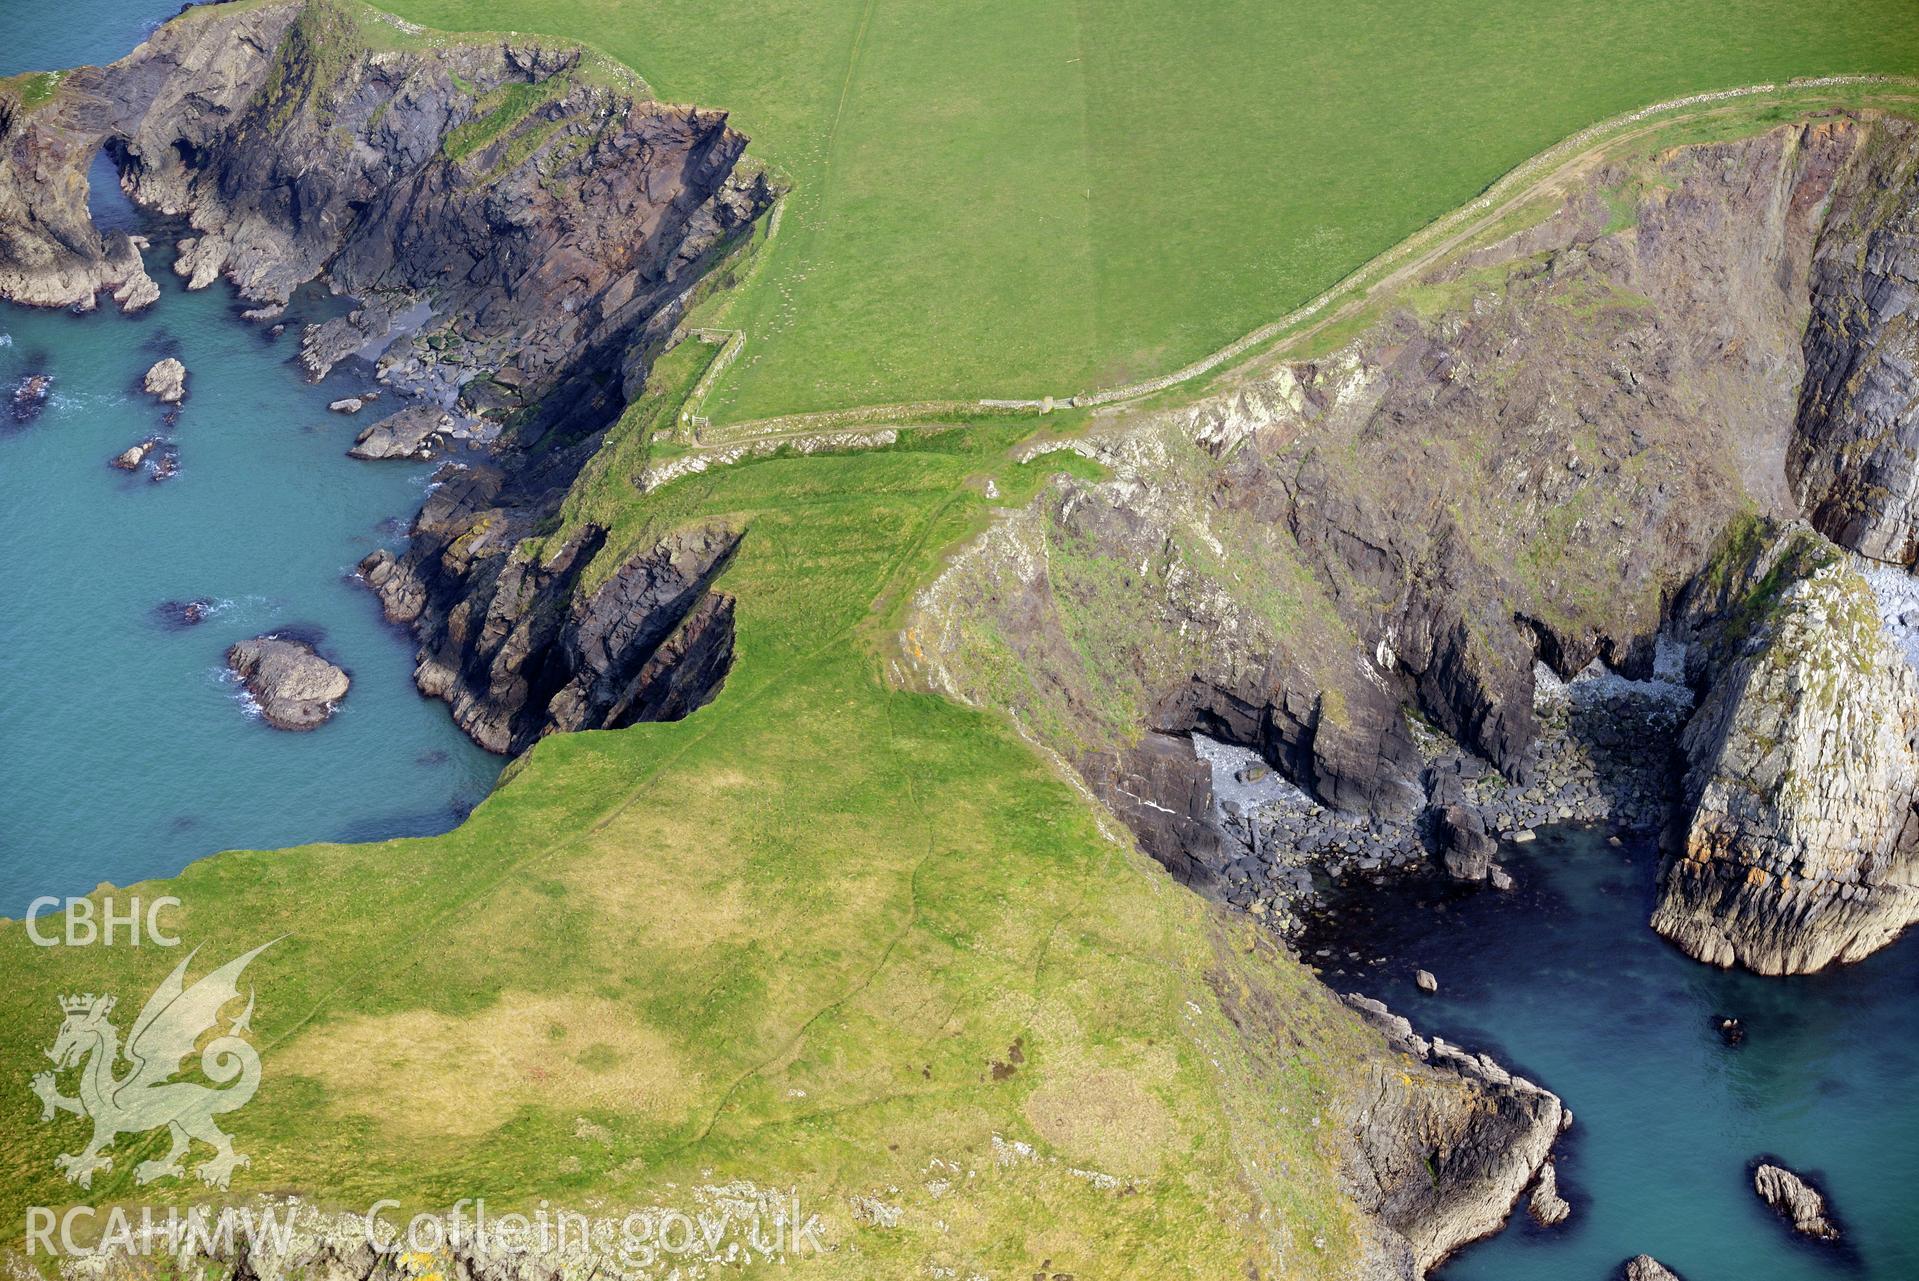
x=167, y=381
x=1796, y=1199
x=295, y=688
x=414, y=432
x=30, y=396
x=181, y=614
x=1643, y=1267
x=1730, y=1029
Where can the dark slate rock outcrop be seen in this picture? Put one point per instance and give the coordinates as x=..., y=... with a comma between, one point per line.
x=512, y=643
x=518, y=266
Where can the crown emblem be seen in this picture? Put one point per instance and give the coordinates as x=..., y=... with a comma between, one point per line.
x=86, y=1004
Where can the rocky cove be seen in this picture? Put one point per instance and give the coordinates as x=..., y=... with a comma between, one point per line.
x=1601, y=520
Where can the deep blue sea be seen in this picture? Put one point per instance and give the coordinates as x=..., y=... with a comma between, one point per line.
x=1563, y=982
x=128, y=751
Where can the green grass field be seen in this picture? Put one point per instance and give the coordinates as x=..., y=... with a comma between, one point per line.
x=787, y=939
x=1037, y=197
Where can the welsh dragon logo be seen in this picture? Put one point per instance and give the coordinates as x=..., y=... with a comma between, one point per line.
x=143, y=1097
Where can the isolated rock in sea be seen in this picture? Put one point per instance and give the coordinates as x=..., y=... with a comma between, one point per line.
x=130, y=458
x=1796, y=1199
x=1730, y=1030
x=30, y=396
x=1500, y=878
x=1425, y=981
x=347, y=405
x=181, y=614
x=1643, y=1267
x=167, y=381
x=295, y=688
x=413, y=432
x=165, y=464
x=1803, y=846
x=1546, y=1205
x=1447, y=1143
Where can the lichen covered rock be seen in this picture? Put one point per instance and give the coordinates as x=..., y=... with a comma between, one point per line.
x=1803, y=845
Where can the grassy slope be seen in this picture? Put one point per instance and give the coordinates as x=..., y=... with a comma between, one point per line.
x=1003, y=197
x=783, y=940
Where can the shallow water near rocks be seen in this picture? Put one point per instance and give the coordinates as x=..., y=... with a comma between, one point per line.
x=1564, y=983
x=129, y=750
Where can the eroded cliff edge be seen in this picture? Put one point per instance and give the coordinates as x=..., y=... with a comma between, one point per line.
x=1547, y=449
x=520, y=225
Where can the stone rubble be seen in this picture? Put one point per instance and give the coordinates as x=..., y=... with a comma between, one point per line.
x=1605, y=755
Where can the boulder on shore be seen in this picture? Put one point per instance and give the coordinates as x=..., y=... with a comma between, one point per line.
x=413, y=432
x=1796, y=1199
x=295, y=688
x=167, y=381
x=30, y=396
x=1465, y=846
x=1643, y=1267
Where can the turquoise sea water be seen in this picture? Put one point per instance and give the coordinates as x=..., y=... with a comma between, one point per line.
x=129, y=753
x=1564, y=983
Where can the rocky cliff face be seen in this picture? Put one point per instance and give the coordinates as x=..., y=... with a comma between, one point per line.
x=542, y=210
x=520, y=224
x=1526, y=458
x=1855, y=455
x=1802, y=846
x=1442, y=1144
x=518, y=650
